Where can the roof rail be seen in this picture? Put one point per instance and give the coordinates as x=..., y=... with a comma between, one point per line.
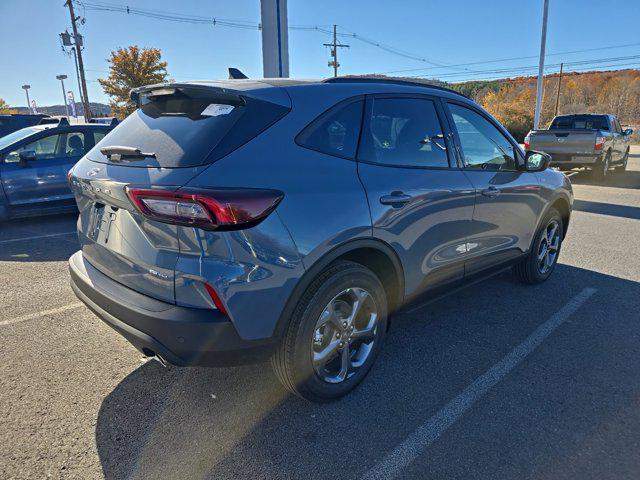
x=390, y=80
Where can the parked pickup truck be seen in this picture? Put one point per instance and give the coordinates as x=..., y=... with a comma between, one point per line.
x=596, y=142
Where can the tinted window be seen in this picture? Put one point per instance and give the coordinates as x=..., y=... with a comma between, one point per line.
x=336, y=131
x=404, y=132
x=97, y=136
x=483, y=145
x=75, y=143
x=580, y=122
x=185, y=131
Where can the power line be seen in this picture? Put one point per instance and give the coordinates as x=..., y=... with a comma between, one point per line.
x=482, y=62
x=489, y=77
x=592, y=62
x=97, y=5
x=241, y=24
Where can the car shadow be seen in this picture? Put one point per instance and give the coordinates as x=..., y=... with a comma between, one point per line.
x=628, y=179
x=614, y=210
x=239, y=423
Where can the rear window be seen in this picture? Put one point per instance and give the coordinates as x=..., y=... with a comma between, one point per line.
x=580, y=122
x=187, y=131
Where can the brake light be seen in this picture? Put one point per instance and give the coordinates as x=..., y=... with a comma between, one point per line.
x=599, y=143
x=527, y=141
x=70, y=178
x=219, y=209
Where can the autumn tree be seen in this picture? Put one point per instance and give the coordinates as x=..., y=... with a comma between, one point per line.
x=5, y=108
x=130, y=68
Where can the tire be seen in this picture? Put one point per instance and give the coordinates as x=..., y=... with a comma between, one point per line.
x=529, y=270
x=296, y=361
x=601, y=169
x=623, y=168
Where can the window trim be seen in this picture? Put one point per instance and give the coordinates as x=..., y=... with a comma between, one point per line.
x=459, y=151
x=442, y=119
x=341, y=104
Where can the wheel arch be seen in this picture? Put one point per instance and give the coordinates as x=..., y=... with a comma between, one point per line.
x=374, y=254
x=561, y=204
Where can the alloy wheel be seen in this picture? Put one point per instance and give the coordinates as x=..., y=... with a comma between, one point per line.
x=344, y=335
x=549, y=247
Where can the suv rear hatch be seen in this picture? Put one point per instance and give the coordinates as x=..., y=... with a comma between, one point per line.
x=177, y=131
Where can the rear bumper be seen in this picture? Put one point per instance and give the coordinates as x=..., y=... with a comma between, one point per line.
x=182, y=336
x=574, y=161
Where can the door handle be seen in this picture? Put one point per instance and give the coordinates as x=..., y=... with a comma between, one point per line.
x=395, y=199
x=491, y=192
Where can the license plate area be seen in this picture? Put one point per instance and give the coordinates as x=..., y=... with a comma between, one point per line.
x=102, y=217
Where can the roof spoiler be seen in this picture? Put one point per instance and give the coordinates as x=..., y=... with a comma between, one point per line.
x=229, y=97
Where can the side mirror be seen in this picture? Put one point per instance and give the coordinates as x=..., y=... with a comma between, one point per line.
x=536, y=161
x=627, y=132
x=26, y=156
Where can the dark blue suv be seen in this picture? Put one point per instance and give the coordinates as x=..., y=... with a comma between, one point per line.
x=225, y=222
x=34, y=163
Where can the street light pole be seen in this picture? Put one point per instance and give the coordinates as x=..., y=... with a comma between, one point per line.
x=64, y=95
x=26, y=89
x=543, y=44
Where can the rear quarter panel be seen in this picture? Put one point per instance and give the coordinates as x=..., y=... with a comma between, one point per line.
x=324, y=206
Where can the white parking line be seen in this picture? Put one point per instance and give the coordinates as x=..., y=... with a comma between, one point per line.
x=32, y=316
x=36, y=237
x=405, y=453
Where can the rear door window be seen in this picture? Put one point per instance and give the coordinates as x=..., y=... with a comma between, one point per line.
x=404, y=132
x=336, y=131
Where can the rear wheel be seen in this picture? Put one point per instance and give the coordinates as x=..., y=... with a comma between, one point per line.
x=334, y=335
x=542, y=259
x=625, y=159
x=601, y=168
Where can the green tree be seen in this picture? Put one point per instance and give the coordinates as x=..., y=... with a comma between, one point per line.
x=130, y=68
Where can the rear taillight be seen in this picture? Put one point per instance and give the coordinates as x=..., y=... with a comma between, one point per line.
x=70, y=178
x=527, y=141
x=599, y=143
x=219, y=209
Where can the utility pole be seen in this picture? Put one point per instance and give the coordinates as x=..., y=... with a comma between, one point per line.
x=64, y=93
x=75, y=58
x=558, y=94
x=78, y=45
x=334, y=51
x=543, y=44
x=26, y=89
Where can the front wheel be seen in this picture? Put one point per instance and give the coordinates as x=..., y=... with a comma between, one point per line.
x=335, y=333
x=538, y=265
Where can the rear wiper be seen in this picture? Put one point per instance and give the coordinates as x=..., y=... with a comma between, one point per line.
x=118, y=154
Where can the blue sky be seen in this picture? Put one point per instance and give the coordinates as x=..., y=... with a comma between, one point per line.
x=451, y=32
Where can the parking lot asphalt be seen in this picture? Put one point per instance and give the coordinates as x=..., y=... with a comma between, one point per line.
x=498, y=381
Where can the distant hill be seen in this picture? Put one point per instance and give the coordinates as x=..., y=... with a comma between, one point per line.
x=98, y=109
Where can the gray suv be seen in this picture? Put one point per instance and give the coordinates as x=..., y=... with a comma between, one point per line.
x=235, y=221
